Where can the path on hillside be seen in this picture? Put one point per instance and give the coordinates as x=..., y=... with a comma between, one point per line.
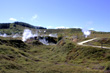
x=82, y=43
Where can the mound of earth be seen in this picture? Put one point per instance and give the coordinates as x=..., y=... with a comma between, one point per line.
x=14, y=43
x=33, y=42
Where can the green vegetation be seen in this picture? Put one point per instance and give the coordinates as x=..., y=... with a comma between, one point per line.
x=64, y=57
x=102, y=42
x=16, y=27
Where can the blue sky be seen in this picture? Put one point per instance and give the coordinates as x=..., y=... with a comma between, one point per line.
x=89, y=14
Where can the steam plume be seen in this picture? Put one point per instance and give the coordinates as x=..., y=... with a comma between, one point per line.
x=4, y=35
x=44, y=41
x=53, y=35
x=86, y=32
x=16, y=35
x=27, y=34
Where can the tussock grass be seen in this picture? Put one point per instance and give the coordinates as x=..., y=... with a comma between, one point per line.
x=65, y=57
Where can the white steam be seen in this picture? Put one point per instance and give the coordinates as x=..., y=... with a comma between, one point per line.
x=12, y=35
x=4, y=35
x=53, y=35
x=44, y=41
x=16, y=35
x=27, y=34
x=86, y=32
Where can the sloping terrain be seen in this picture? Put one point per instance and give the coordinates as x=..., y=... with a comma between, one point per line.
x=14, y=59
x=64, y=57
x=16, y=27
x=102, y=42
x=14, y=43
x=42, y=58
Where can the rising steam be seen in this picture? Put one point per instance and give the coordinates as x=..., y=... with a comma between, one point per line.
x=86, y=32
x=16, y=35
x=27, y=34
x=44, y=41
x=4, y=35
x=53, y=35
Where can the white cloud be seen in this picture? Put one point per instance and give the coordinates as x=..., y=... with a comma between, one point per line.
x=77, y=27
x=91, y=28
x=49, y=27
x=39, y=25
x=34, y=17
x=62, y=27
x=12, y=19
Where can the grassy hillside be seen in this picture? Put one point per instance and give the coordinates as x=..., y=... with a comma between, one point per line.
x=16, y=27
x=65, y=57
x=77, y=32
x=100, y=42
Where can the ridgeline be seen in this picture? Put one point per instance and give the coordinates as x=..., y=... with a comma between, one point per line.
x=16, y=27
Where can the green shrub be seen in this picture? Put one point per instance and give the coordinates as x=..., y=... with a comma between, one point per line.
x=107, y=66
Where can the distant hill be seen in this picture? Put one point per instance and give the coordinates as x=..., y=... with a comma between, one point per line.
x=16, y=27
x=66, y=32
